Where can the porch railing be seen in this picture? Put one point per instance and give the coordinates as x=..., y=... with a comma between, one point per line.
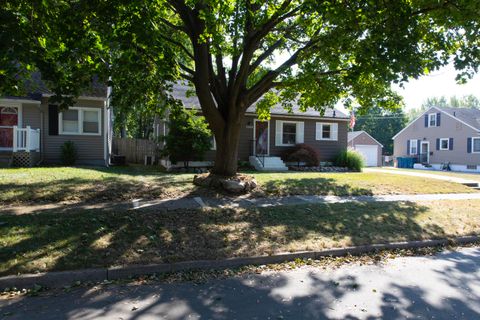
x=26, y=139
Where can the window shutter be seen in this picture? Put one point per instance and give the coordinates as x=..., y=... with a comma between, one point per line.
x=334, y=131
x=408, y=147
x=318, y=131
x=450, y=144
x=438, y=144
x=418, y=146
x=438, y=119
x=278, y=132
x=469, y=145
x=300, y=132
x=52, y=120
x=426, y=120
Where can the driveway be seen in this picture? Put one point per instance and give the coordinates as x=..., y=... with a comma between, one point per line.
x=446, y=286
x=422, y=174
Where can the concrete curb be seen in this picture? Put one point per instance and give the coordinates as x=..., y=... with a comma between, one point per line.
x=64, y=278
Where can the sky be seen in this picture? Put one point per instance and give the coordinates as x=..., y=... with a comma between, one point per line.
x=436, y=84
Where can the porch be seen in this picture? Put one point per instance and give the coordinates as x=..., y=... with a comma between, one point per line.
x=19, y=146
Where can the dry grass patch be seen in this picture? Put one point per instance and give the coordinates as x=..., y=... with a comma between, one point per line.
x=75, y=239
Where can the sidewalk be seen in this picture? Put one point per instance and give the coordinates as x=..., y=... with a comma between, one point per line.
x=423, y=174
x=197, y=202
x=240, y=202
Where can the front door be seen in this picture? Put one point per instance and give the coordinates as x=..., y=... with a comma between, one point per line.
x=424, y=152
x=261, y=137
x=8, y=119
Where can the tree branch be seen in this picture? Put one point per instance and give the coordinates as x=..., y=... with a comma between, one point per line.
x=180, y=45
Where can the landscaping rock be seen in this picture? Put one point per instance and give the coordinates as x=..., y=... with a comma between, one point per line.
x=237, y=184
x=233, y=186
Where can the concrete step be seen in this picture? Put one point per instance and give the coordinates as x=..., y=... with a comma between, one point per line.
x=268, y=163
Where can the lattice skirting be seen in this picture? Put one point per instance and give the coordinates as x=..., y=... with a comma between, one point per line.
x=25, y=159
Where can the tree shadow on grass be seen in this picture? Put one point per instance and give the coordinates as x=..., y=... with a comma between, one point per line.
x=121, y=184
x=46, y=240
x=312, y=186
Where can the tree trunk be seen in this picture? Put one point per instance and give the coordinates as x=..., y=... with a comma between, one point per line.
x=226, y=158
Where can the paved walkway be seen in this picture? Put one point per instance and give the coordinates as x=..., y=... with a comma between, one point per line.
x=240, y=202
x=422, y=174
x=197, y=202
x=446, y=286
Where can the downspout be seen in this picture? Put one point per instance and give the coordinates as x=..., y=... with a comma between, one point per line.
x=42, y=141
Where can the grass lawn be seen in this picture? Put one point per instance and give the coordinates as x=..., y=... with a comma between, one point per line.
x=58, y=184
x=344, y=184
x=71, y=239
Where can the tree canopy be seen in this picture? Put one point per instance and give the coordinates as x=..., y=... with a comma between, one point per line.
x=238, y=52
x=382, y=125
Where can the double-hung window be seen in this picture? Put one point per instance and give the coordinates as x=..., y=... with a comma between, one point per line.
x=476, y=145
x=288, y=133
x=326, y=131
x=432, y=120
x=80, y=121
x=413, y=146
x=444, y=144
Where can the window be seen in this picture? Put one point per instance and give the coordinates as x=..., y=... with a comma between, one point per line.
x=476, y=145
x=289, y=133
x=444, y=144
x=326, y=131
x=77, y=120
x=432, y=120
x=413, y=146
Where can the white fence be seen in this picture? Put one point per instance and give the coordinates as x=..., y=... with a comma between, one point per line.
x=26, y=139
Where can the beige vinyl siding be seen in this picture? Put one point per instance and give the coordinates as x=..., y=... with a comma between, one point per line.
x=90, y=149
x=31, y=116
x=449, y=128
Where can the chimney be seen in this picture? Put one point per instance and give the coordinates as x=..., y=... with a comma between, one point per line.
x=454, y=114
x=334, y=113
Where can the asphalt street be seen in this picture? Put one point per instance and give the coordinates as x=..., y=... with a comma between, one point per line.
x=445, y=286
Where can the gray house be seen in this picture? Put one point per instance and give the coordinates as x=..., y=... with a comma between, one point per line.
x=263, y=143
x=442, y=136
x=32, y=130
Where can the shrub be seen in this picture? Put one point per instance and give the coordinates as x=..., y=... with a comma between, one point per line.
x=304, y=153
x=69, y=153
x=350, y=159
x=188, y=137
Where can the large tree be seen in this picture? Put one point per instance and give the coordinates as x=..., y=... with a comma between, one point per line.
x=239, y=52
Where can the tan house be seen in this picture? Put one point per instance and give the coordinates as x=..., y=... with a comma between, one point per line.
x=440, y=137
x=264, y=143
x=32, y=130
x=367, y=146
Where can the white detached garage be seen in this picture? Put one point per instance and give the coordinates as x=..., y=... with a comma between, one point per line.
x=367, y=146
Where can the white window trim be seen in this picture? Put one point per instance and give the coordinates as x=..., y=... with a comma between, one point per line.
x=413, y=145
x=434, y=117
x=80, y=122
x=473, y=144
x=319, y=137
x=281, y=134
x=448, y=144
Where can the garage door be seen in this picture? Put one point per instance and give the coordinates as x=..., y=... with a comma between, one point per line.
x=369, y=153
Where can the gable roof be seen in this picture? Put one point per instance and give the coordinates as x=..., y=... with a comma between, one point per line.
x=179, y=92
x=353, y=134
x=37, y=88
x=469, y=117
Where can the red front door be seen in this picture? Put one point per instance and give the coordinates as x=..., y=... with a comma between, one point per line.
x=8, y=119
